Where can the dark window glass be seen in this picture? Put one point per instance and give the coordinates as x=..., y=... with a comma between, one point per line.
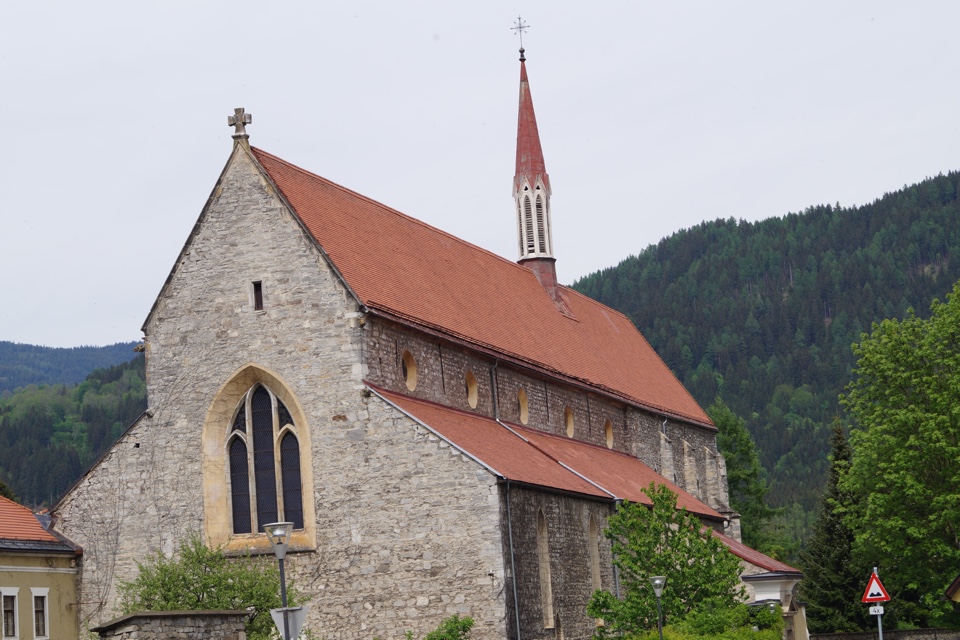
x=283, y=414
x=39, y=616
x=264, y=469
x=240, y=422
x=290, y=475
x=258, y=299
x=9, y=611
x=240, y=486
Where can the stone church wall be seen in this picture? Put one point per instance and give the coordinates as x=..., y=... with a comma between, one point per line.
x=398, y=512
x=441, y=370
x=568, y=533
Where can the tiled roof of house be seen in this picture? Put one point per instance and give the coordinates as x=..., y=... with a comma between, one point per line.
x=533, y=457
x=18, y=523
x=414, y=272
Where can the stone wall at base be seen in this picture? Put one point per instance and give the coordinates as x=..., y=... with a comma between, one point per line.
x=892, y=634
x=176, y=625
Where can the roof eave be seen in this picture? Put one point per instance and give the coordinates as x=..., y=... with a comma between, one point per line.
x=490, y=350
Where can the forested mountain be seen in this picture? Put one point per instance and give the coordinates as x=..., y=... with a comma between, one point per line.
x=23, y=364
x=49, y=434
x=763, y=314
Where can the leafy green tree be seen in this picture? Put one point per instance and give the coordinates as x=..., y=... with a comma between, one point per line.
x=832, y=583
x=452, y=628
x=906, y=459
x=745, y=476
x=663, y=541
x=198, y=577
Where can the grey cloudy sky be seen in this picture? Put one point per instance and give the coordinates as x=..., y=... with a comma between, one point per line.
x=654, y=116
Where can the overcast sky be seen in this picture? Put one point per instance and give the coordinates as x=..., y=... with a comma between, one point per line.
x=654, y=116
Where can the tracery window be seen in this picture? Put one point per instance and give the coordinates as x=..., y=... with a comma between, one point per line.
x=264, y=452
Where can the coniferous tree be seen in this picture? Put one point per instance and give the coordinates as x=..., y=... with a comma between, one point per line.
x=745, y=476
x=7, y=492
x=832, y=583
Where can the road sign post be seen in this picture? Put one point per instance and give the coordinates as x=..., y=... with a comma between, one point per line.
x=876, y=593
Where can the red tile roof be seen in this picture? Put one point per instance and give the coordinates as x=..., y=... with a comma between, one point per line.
x=18, y=523
x=534, y=457
x=530, y=162
x=409, y=270
x=753, y=556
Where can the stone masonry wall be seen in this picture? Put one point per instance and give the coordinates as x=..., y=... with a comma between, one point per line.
x=568, y=532
x=441, y=370
x=177, y=625
x=406, y=528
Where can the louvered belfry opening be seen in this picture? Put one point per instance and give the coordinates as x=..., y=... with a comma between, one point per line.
x=258, y=456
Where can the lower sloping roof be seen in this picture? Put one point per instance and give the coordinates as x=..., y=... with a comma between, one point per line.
x=754, y=557
x=21, y=531
x=534, y=457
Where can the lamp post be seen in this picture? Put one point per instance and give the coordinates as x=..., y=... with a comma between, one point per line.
x=658, y=583
x=279, y=535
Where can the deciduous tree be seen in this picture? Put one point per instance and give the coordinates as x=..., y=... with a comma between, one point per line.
x=198, y=577
x=663, y=541
x=905, y=469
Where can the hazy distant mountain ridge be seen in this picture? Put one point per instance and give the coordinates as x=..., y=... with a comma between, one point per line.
x=23, y=364
x=764, y=313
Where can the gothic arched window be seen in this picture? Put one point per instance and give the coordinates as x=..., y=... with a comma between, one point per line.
x=264, y=453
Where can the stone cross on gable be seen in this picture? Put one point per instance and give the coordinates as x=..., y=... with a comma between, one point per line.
x=239, y=119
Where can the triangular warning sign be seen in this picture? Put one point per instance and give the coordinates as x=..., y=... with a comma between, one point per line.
x=875, y=591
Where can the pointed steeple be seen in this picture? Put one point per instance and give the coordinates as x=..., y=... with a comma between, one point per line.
x=531, y=193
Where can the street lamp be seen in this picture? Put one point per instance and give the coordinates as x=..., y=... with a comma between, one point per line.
x=658, y=583
x=279, y=535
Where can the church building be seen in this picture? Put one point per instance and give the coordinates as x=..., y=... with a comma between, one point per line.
x=447, y=429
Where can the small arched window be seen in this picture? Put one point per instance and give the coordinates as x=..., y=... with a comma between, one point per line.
x=471, y=388
x=408, y=367
x=523, y=406
x=265, y=479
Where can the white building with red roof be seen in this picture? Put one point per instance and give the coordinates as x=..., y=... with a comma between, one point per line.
x=447, y=429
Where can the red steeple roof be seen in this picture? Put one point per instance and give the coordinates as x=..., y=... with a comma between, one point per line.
x=529, y=153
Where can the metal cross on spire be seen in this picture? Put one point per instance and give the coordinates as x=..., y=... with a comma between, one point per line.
x=519, y=28
x=239, y=119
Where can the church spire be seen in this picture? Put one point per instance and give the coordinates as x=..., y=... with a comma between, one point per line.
x=531, y=192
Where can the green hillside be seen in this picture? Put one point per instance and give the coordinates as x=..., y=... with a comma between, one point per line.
x=49, y=434
x=23, y=364
x=763, y=314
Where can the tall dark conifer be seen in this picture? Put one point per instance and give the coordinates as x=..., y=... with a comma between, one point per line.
x=745, y=476
x=832, y=581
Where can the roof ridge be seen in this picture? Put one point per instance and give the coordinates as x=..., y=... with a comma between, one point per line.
x=421, y=223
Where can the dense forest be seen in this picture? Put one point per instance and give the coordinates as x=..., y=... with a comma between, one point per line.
x=50, y=434
x=763, y=314
x=23, y=364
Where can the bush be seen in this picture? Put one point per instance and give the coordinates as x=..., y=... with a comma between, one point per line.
x=198, y=577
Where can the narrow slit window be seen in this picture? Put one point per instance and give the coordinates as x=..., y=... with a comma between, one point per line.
x=258, y=296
